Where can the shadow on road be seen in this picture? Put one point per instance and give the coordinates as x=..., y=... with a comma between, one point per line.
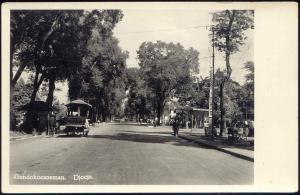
x=68, y=136
x=151, y=132
x=144, y=138
x=131, y=124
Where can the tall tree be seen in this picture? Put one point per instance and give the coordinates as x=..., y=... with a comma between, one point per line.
x=164, y=67
x=103, y=64
x=138, y=103
x=229, y=28
x=64, y=50
x=53, y=43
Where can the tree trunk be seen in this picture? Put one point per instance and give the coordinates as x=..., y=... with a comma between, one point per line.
x=36, y=85
x=158, y=115
x=97, y=113
x=104, y=116
x=50, y=96
x=228, y=70
x=160, y=109
x=14, y=78
x=11, y=66
x=17, y=75
x=34, y=92
x=28, y=123
x=106, y=106
x=222, y=110
x=143, y=101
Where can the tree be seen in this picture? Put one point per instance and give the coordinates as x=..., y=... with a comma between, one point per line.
x=131, y=79
x=232, y=99
x=30, y=31
x=44, y=42
x=138, y=102
x=60, y=109
x=164, y=67
x=52, y=44
x=20, y=96
x=64, y=50
x=249, y=66
x=103, y=64
x=229, y=28
x=248, y=91
x=196, y=92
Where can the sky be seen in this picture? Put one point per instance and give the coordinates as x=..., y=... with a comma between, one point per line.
x=178, y=26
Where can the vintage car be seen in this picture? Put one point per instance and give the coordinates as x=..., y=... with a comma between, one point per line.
x=77, y=119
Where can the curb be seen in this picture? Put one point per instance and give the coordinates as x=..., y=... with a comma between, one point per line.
x=19, y=138
x=220, y=149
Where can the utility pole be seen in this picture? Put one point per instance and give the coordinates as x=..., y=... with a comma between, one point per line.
x=211, y=89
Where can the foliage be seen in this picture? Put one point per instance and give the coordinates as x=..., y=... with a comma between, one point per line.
x=116, y=96
x=47, y=43
x=229, y=29
x=230, y=26
x=98, y=80
x=195, y=93
x=20, y=96
x=60, y=109
x=165, y=67
x=232, y=97
x=55, y=46
x=249, y=66
x=138, y=103
x=248, y=91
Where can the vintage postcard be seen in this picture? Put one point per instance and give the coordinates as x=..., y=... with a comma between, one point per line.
x=149, y=97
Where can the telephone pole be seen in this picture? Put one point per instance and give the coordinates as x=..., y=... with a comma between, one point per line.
x=211, y=89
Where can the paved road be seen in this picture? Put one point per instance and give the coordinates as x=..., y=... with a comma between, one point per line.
x=124, y=154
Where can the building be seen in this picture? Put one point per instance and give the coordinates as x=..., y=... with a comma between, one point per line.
x=191, y=117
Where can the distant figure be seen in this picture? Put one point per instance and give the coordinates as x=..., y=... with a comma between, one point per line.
x=155, y=122
x=36, y=124
x=175, y=126
x=52, y=124
x=206, y=126
x=187, y=124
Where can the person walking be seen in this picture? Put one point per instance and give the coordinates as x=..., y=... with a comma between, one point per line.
x=52, y=124
x=155, y=122
x=176, y=126
x=206, y=126
x=173, y=125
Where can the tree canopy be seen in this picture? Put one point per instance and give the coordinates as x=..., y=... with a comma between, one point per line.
x=103, y=63
x=57, y=45
x=164, y=67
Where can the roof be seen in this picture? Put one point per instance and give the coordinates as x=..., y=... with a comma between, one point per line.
x=79, y=102
x=189, y=108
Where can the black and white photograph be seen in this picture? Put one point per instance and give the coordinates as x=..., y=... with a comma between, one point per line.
x=128, y=96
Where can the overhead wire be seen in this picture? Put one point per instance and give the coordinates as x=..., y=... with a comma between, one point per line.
x=159, y=30
x=184, y=28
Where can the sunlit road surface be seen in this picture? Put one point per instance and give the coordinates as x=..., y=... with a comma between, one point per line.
x=124, y=154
